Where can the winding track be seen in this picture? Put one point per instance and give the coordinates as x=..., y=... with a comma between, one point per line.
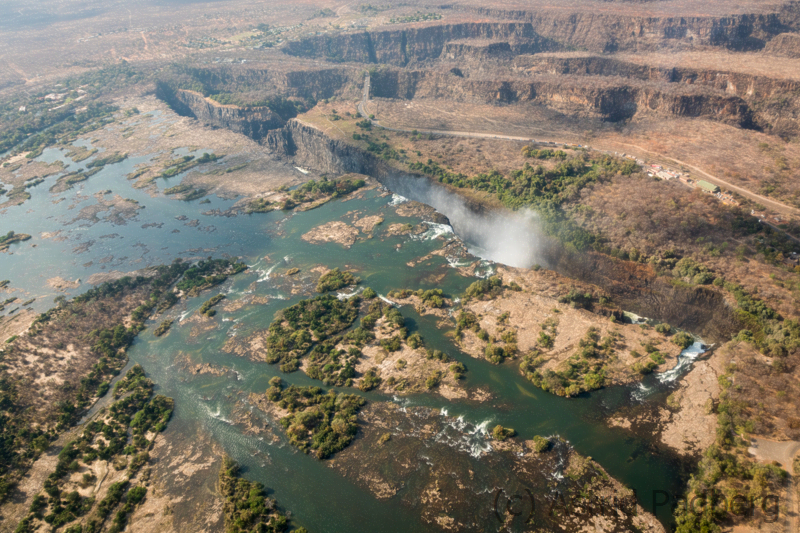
x=777, y=206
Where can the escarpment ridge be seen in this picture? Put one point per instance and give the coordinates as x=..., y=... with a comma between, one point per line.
x=554, y=29
x=600, y=94
x=636, y=287
x=612, y=98
x=400, y=47
x=254, y=122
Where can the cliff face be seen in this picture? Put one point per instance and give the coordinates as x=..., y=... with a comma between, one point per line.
x=743, y=85
x=637, y=288
x=258, y=82
x=311, y=148
x=785, y=45
x=772, y=104
x=254, y=122
x=549, y=30
x=601, y=32
x=633, y=285
x=399, y=47
x=613, y=99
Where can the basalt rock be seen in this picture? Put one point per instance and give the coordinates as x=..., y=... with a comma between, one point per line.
x=785, y=45
x=632, y=286
x=311, y=148
x=255, y=122
x=637, y=288
x=612, y=99
x=400, y=47
x=553, y=29
x=612, y=32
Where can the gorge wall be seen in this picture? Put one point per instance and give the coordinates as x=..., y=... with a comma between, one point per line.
x=551, y=30
x=608, y=32
x=316, y=83
x=614, y=99
x=400, y=47
x=253, y=122
x=633, y=286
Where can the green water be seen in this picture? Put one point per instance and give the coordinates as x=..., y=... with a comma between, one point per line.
x=317, y=496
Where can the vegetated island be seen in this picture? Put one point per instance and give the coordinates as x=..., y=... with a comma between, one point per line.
x=82, y=341
x=10, y=238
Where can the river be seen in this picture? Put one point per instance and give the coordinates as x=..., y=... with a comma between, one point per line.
x=318, y=497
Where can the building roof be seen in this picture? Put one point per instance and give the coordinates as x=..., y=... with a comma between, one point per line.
x=706, y=186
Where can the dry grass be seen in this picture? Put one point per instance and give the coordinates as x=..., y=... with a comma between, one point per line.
x=654, y=216
x=55, y=360
x=770, y=397
x=749, y=159
x=536, y=308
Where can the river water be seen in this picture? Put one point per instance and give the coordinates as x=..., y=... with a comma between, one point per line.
x=318, y=497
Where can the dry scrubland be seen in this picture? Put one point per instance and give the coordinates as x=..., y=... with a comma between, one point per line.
x=698, y=87
x=752, y=160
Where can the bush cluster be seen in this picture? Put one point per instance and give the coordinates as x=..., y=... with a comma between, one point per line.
x=318, y=422
x=584, y=371
x=336, y=279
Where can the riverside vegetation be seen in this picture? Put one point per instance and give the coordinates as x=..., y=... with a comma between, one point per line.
x=246, y=506
x=727, y=121
x=540, y=188
x=317, y=422
x=320, y=331
x=93, y=326
x=307, y=196
x=10, y=238
x=117, y=437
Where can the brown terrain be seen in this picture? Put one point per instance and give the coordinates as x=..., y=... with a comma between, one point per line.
x=709, y=90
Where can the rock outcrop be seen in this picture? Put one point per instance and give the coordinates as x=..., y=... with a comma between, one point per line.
x=612, y=99
x=400, y=47
x=633, y=286
x=254, y=122
x=785, y=45
x=629, y=30
x=553, y=29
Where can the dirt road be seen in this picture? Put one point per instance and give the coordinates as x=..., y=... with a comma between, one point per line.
x=768, y=202
x=783, y=452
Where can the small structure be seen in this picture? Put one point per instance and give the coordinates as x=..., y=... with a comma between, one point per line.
x=708, y=187
x=666, y=175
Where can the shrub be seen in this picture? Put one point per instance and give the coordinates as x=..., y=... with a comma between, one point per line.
x=483, y=287
x=545, y=340
x=703, y=278
x=496, y=354
x=434, y=379
x=682, y=339
x=500, y=433
x=368, y=294
x=431, y=298
x=664, y=329
x=414, y=341
x=370, y=380
x=336, y=279
x=541, y=444
x=578, y=299
x=392, y=344
x=322, y=423
x=458, y=370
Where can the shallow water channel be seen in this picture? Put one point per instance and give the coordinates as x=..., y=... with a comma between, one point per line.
x=318, y=497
